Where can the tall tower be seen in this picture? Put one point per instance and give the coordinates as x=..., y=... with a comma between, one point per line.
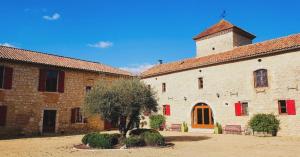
x=221, y=37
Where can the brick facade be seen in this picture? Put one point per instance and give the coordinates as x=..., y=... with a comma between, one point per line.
x=26, y=105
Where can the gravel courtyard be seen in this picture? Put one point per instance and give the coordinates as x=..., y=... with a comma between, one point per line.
x=186, y=144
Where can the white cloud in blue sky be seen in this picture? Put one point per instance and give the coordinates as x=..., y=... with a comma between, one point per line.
x=7, y=44
x=53, y=17
x=102, y=44
x=137, y=68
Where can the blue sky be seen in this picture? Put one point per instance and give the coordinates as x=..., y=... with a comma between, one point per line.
x=135, y=33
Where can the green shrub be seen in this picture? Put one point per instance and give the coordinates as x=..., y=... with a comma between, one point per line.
x=85, y=139
x=153, y=139
x=218, y=128
x=115, y=138
x=156, y=121
x=266, y=123
x=184, y=127
x=139, y=132
x=103, y=141
x=134, y=141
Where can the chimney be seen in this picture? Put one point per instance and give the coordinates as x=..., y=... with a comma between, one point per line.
x=160, y=61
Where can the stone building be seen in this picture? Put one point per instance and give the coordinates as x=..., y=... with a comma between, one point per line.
x=44, y=93
x=231, y=79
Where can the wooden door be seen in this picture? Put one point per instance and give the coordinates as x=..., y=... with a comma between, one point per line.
x=202, y=117
x=49, y=121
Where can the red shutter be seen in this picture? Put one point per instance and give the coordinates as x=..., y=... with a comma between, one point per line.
x=73, y=115
x=238, y=109
x=168, y=110
x=3, y=111
x=42, y=80
x=61, y=81
x=290, y=105
x=8, y=72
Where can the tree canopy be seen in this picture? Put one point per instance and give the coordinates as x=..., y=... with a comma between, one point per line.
x=121, y=101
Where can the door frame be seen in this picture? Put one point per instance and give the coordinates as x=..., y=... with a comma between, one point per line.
x=194, y=116
x=42, y=119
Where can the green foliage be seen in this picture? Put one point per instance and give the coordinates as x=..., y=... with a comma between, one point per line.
x=121, y=98
x=103, y=141
x=218, y=128
x=184, y=127
x=153, y=139
x=266, y=123
x=156, y=121
x=86, y=137
x=139, y=132
x=134, y=141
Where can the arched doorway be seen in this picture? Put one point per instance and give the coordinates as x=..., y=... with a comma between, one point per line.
x=202, y=116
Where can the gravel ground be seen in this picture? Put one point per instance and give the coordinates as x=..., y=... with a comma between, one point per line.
x=185, y=144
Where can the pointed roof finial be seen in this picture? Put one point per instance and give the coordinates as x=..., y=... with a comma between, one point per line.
x=223, y=14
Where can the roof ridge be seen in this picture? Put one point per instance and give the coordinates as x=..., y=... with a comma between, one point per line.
x=55, y=55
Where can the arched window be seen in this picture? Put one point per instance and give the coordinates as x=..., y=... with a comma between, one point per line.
x=261, y=78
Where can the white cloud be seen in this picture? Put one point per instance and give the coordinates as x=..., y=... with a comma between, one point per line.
x=101, y=44
x=54, y=17
x=7, y=45
x=137, y=68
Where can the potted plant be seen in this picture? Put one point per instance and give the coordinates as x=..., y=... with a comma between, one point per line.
x=218, y=128
x=265, y=123
x=184, y=127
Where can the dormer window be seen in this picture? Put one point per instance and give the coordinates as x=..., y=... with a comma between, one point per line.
x=260, y=78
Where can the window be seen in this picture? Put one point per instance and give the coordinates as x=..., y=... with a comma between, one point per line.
x=52, y=81
x=241, y=109
x=149, y=87
x=76, y=115
x=200, y=83
x=6, y=77
x=166, y=110
x=88, y=88
x=1, y=77
x=163, y=87
x=261, y=78
x=287, y=107
x=3, y=111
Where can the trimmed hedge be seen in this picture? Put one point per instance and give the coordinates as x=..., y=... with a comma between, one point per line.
x=139, y=132
x=134, y=141
x=156, y=121
x=153, y=139
x=103, y=141
x=266, y=123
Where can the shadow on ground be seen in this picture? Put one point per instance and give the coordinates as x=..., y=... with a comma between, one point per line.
x=185, y=138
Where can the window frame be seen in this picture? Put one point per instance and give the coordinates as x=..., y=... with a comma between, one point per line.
x=164, y=87
x=243, y=104
x=88, y=88
x=57, y=80
x=165, y=110
x=200, y=83
x=3, y=75
x=263, y=73
x=78, y=115
x=280, y=107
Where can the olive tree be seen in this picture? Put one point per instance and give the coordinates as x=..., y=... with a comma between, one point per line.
x=121, y=101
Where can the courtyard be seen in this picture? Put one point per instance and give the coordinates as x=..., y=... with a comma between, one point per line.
x=185, y=144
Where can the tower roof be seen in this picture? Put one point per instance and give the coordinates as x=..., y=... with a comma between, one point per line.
x=222, y=26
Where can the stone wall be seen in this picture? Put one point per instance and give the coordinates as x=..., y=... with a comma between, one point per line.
x=26, y=104
x=234, y=82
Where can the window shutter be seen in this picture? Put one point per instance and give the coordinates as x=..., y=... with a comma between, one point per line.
x=42, y=80
x=8, y=72
x=73, y=115
x=168, y=110
x=61, y=81
x=3, y=111
x=238, y=109
x=290, y=105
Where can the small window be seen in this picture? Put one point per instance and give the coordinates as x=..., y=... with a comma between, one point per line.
x=245, y=111
x=164, y=87
x=200, y=83
x=261, y=78
x=1, y=76
x=88, y=89
x=287, y=107
x=52, y=81
x=166, y=110
x=76, y=116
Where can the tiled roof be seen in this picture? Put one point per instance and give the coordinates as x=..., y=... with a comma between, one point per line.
x=222, y=26
x=269, y=47
x=15, y=54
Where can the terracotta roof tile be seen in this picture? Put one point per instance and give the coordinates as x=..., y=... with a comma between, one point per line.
x=222, y=26
x=16, y=54
x=243, y=52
